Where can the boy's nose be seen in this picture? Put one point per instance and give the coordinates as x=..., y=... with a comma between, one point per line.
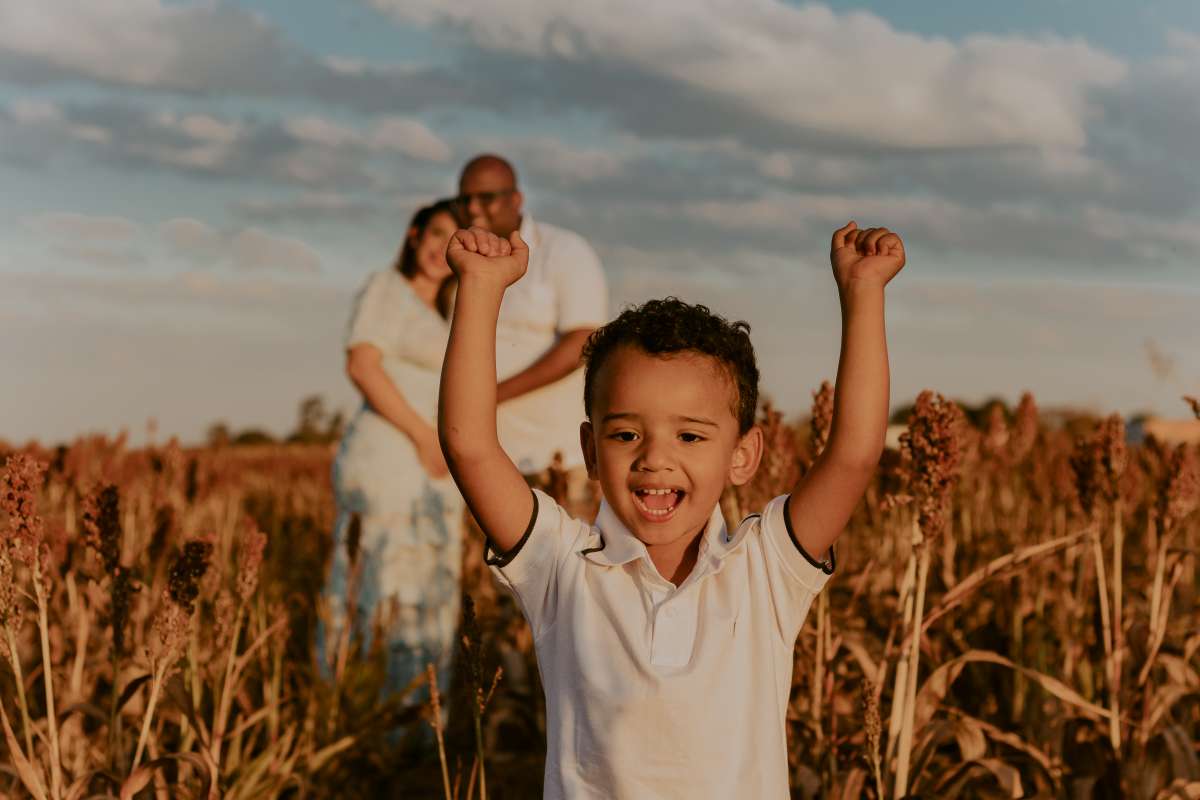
x=653, y=457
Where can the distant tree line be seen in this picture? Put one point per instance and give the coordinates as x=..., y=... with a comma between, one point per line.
x=314, y=425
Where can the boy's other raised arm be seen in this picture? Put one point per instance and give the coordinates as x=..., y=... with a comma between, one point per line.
x=823, y=500
x=494, y=489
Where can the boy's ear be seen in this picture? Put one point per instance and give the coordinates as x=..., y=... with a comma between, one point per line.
x=587, y=441
x=746, y=457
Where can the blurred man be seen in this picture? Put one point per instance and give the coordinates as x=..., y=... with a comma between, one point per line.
x=544, y=322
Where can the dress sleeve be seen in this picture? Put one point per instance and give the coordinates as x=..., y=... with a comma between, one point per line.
x=794, y=576
x=376, y=318
x=581, y=290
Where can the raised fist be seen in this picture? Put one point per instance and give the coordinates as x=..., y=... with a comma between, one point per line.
x=871, y=255
x=477, y=253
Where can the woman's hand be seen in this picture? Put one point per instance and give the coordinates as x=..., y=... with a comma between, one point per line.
x=429, y=451
x=865, y=257
x=477, y=254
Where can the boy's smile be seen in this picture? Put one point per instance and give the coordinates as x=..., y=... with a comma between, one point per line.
x=664, y=442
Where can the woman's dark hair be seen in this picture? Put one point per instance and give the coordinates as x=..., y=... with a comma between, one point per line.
x=668, y=326
x=406, y=259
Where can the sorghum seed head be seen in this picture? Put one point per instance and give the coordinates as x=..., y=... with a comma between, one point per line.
x=1024, y=430
x=253, y=543
x=1181, y=493
x=1098, y=462
x=933, y=445
x=822, y=417
x=183, y=582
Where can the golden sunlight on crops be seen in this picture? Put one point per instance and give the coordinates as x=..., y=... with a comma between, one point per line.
x=1015, y=614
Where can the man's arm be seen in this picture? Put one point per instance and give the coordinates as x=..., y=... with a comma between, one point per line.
x=823, y=500
x=495, y=492
x=557, y=363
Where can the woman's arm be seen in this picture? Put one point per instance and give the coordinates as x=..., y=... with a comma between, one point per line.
x=364, y=367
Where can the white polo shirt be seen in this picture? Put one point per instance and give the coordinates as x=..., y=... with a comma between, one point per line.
x=563, y=290
x=656, y=691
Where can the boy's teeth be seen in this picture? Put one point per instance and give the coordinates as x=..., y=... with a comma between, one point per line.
x=658, y=502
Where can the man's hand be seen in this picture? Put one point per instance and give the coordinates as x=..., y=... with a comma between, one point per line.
x=476, y=253
x=860, y=257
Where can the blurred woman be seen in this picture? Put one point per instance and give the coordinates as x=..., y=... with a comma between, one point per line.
x=397, y=540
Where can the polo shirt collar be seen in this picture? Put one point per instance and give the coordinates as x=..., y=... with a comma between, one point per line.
x=612, y=544
x=529, y=230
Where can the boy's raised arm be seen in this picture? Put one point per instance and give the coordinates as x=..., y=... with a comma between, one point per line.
x=823, y=500
x=495, y=491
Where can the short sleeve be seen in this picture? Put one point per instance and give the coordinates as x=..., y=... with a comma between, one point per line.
x=532, y=568
x=376, y=318
x=794, y=576
x=579, y=284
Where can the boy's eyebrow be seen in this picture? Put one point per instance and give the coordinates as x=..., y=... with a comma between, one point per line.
x=618, y=415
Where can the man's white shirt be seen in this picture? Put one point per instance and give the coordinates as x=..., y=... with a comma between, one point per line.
x=563, y=290
x=657, y=691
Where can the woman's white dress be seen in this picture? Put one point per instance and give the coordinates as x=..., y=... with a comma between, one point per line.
x=408, y=526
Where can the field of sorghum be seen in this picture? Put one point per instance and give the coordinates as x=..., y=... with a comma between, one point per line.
x=1016, y=614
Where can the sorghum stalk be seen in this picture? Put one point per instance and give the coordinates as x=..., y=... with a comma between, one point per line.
x=48, y=682
x=19, y=680
x=933, y=445
x=25, y=542
x=436, y=722
x=820, y=422
x=1098, y=463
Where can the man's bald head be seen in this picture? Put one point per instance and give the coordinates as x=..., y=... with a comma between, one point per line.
x=489, y=164
x=488, y=196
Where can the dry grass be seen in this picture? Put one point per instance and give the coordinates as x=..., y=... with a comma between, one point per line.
x=1015, y=615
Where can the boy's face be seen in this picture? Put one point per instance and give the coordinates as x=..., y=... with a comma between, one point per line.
x=664, y=442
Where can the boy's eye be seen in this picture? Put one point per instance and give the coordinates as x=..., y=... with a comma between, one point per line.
x=624, y=436
x=691, y=437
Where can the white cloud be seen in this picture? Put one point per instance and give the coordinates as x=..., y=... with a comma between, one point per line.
x=118, y=40
x=255, y=249
x=410, y=137
x=66, y=226
x=321, y=206
x=809, y=69
x=196, y=48
x=202, y=127
x=316, y=130
x=118, y=241
x=99, y=255
x=309, y=150
x=1088, y=233
x=33, y=111
x=192, y=238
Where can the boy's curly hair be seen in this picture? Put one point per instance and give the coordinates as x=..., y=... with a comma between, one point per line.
x=667, y=326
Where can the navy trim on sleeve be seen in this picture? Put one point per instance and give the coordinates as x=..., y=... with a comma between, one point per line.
x=825, y=566
x=504, y=559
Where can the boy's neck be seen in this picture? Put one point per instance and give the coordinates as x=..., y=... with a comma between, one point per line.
x=675, y=561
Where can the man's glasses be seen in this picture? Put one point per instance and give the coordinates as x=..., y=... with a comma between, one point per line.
x=484, y=198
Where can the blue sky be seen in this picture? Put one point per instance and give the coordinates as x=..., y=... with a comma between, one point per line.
x=193, y=191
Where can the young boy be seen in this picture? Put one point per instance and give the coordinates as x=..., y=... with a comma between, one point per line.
x=664, y=641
